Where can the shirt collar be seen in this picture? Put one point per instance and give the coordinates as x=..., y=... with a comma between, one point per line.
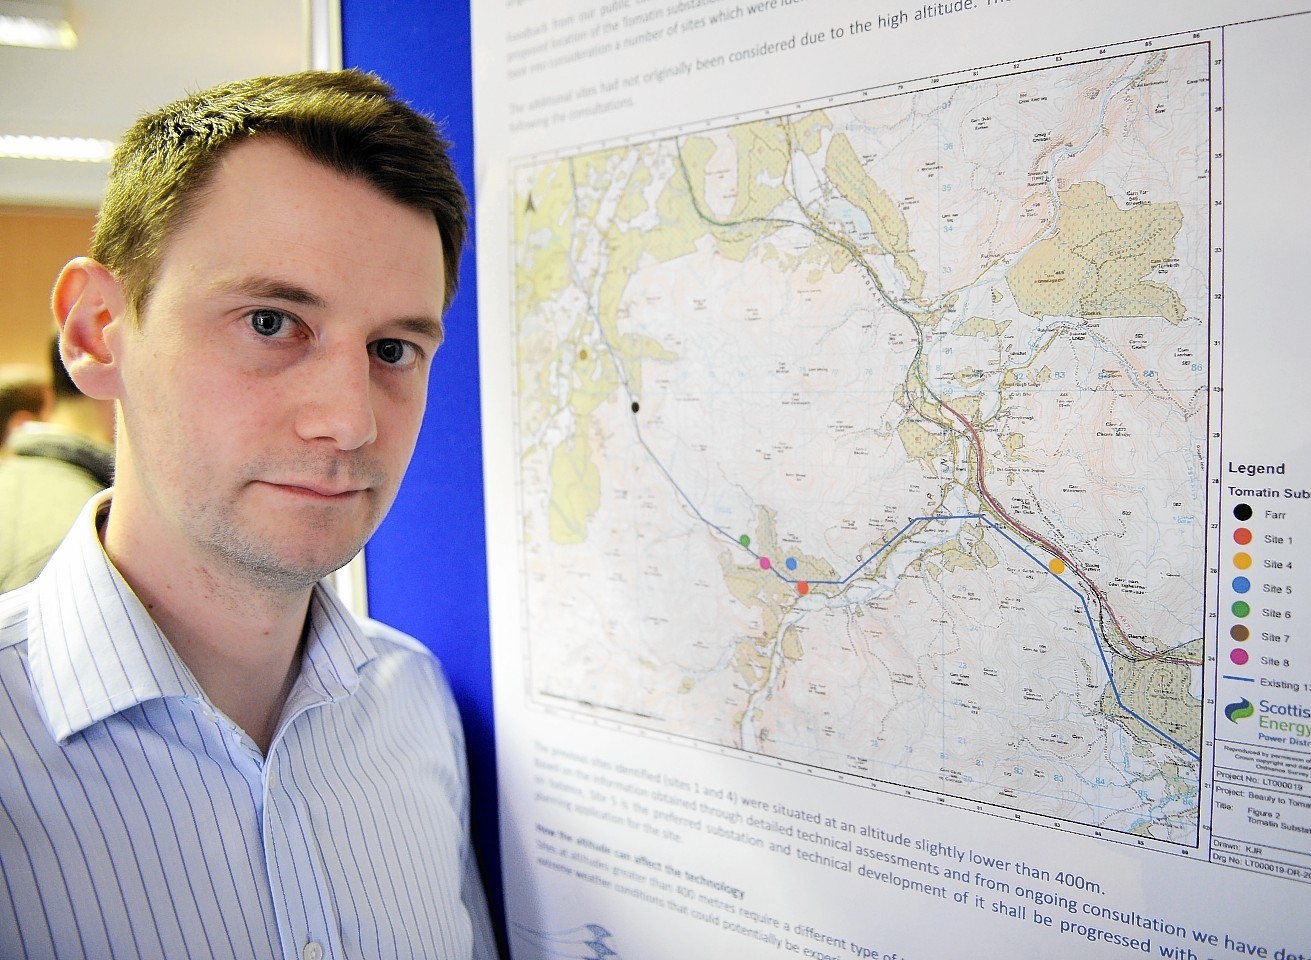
x=94, y=650
x=336, y=653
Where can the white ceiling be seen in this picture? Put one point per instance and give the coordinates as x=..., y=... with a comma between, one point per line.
x=132, y=55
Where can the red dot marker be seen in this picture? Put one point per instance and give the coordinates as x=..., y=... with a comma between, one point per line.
x=803, y=588
x=1242, y=536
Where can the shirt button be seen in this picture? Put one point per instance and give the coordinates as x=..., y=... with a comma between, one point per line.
x=313, y=951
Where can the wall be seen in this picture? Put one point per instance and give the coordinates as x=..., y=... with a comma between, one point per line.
x=34, y=244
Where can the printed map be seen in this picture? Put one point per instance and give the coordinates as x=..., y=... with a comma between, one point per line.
x=874, y=437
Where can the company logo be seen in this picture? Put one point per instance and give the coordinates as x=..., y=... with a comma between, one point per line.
x=1240, y=710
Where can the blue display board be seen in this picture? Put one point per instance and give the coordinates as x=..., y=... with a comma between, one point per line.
x=427, y=563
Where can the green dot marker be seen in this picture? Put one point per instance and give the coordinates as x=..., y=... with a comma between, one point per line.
x=744, y=540
x=1241, y=609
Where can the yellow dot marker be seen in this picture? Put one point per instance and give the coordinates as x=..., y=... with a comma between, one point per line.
x=1056, y=566
x=1242, y=560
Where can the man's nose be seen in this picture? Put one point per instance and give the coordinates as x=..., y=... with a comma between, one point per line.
x=336, y=401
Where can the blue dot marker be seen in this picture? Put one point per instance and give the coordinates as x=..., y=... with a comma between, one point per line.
x=1242, y=584
x=790, y=563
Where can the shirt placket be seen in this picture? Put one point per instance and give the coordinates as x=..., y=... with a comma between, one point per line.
x=308, y=926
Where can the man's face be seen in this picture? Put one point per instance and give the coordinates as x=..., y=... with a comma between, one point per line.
x=273, y=388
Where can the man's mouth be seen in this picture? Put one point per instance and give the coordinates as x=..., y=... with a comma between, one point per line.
x=316, y=489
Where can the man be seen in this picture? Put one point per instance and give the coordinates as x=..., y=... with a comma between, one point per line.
x=201, y=752
x=56, y=465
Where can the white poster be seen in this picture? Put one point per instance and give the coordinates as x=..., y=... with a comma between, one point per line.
x=898, y=475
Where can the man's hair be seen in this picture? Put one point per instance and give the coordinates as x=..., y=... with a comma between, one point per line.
x=349, y=121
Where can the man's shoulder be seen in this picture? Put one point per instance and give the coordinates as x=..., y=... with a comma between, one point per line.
x=387, y=639
x=378, y=631
x=412, y=668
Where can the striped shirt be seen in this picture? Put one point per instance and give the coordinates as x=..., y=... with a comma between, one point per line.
x=136, y=820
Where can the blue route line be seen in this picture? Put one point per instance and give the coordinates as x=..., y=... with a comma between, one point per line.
x=1083, y=600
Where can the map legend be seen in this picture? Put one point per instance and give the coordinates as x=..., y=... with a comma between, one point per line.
x=1261, y=815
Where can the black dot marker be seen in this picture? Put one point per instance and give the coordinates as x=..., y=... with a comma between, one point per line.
x=1243, y=511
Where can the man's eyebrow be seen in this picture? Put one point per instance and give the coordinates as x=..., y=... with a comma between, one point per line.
x=270, y=288
x=427, y=327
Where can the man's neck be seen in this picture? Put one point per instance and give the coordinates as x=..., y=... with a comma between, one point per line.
x=242, y=645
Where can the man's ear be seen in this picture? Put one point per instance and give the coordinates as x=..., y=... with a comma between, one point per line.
x=92, y=313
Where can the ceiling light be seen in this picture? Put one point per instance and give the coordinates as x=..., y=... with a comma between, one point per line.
x=35, y=23
x=56, y=148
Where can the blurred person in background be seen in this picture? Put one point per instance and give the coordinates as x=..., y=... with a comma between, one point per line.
x=24, y=396
x=55, y=466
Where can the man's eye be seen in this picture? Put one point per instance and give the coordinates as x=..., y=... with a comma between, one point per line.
x=270, y=323
x=395, y=352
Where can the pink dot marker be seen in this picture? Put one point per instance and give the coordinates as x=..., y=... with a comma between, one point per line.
x=764, y=563
x=1238, y=655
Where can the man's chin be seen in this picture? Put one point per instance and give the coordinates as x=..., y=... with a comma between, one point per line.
x=270, y=571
